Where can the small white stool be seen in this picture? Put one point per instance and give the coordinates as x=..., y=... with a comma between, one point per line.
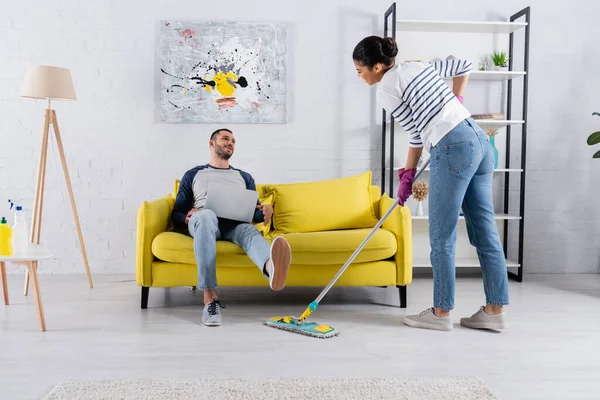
x=30, y=259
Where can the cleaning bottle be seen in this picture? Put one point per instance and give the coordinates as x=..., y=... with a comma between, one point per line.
x=5, y=238
x=19, y=234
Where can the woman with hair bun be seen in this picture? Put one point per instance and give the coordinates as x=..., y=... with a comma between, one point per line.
x=462, y=166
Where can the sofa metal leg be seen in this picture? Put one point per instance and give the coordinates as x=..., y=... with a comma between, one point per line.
x=402, y=290
x=145, y=291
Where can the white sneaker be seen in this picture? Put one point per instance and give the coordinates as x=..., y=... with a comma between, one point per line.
x=428, y=320
x=279, y=264
x=211, y=315
x=483, y=320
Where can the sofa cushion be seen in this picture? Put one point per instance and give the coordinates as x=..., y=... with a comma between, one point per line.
x=178, y=248
x=315, y=248
x=335, y=247
x=343, y=203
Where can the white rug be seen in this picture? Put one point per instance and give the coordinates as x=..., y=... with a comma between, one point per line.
x=309, y=388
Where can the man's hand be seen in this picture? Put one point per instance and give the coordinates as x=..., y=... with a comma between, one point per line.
x=267, y=210
x=189, y=215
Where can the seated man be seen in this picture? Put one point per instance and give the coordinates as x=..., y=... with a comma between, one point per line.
x=190, y=217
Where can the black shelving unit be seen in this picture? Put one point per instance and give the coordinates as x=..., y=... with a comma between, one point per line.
x=525, y=14
x=390, y=12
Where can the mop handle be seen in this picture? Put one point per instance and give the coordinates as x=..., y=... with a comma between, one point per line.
x=315, y=303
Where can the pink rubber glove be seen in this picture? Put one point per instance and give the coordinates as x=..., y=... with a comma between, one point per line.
x=406, y=178
x=460, y=98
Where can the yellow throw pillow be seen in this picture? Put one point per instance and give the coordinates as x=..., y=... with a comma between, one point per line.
x=343, y=203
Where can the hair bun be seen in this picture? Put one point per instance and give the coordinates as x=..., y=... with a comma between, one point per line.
x=389, y=47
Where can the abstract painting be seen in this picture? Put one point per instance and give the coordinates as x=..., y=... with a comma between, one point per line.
x=222, y=72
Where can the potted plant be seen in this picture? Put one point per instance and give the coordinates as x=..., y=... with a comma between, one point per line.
x=594, y=138
x=500, y=60
x=483, y=64
x=420, y=191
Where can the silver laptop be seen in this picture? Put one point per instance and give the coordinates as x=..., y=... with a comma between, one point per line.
x=231, y=202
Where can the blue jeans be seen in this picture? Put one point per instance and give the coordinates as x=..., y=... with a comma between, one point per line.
x=204, y=228
x=462, y=167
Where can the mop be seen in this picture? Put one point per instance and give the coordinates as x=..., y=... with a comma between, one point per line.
x=314, y=329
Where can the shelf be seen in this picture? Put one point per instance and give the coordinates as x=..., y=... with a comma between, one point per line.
x=459, y=26
x=497, y=217
x=496, y=170
x=460, y=262
x=497, y=123
x=494, y=75
x=515, y=170
x=484, y=123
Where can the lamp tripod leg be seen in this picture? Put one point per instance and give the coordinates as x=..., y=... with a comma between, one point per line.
x=71, y=196
x=36, y=222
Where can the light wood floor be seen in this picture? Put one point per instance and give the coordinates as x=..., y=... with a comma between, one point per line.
x=551, y=351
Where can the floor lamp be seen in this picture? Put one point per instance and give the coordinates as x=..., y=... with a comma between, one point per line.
x=50, y=83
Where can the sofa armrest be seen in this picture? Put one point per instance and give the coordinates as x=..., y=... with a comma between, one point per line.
x=399, y=222
x=152, y=218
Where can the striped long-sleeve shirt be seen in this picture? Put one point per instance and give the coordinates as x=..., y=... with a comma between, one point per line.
x=419, y=99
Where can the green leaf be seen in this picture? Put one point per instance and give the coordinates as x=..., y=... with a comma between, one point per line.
x=594, y=138
x=597, y=155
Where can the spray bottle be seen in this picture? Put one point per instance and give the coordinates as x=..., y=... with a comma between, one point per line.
x=20, y=243
x=5, y=238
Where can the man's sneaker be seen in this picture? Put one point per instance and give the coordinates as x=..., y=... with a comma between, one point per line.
x=211, y=315
x=483, y=320
x=281, y=257
x=428, y=320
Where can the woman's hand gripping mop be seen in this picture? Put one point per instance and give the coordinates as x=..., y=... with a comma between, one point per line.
x=298, y=325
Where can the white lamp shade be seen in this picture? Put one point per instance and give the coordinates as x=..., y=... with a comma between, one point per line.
x=45, y=82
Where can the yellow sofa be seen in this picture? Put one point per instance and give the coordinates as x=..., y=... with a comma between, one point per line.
x=324, y=222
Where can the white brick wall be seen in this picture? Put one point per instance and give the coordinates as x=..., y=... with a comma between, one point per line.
x=118, y=156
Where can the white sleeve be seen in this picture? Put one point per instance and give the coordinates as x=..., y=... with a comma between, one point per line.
x=452, y=68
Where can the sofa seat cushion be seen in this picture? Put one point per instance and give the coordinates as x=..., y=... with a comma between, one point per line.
x=177, y=248
x=335, y=247
x=314, y=248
